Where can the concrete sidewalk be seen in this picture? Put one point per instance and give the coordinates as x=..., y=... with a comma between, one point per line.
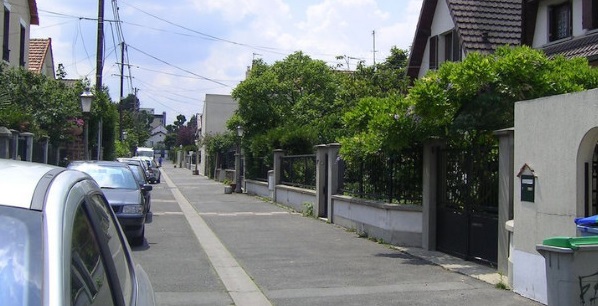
x=296, y=260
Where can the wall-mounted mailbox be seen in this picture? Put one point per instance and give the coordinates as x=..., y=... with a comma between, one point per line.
x=528, y=183
x=528, y=187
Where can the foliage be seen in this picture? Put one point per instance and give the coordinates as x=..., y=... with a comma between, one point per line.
x=296, y=93
x=379, y=124
x=477, y=95
x=34, y=103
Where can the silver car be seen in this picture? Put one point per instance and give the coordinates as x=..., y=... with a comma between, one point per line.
x=123, y=193
x=60, y=242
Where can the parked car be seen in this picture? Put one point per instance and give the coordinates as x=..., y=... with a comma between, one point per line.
x=123, y=193
x=138, y=168
x=153, y=166
x=61, y=243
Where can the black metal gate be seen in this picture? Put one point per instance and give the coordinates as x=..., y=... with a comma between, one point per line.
x=467, y=213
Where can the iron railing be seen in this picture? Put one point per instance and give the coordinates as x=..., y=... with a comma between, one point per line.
x=257, y=168
x=299, y=171
x=395, y=179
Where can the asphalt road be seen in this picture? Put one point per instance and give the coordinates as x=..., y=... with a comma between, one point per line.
x=204, y=247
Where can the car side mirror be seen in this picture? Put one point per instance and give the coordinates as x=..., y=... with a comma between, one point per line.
x=147, y=187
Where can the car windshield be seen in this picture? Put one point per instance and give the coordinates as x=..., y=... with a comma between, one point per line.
x=20, y=256
x=109, y=177
x=137, y=171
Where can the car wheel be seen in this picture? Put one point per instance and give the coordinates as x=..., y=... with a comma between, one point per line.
x=158, y=180
x=138, y=241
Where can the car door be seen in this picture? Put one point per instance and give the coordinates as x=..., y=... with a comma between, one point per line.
x=100, y=268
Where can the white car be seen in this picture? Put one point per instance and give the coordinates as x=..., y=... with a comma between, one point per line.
x=61, y=243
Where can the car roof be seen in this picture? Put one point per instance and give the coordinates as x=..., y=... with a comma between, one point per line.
x=108, y=163
x=18, y=181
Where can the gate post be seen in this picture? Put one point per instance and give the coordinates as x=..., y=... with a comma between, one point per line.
x=429, y=193
x=505, y=195
x=277, y=165
x=5, y=136
x=28, y=146
x=321, y=192
x=45, y=145
x=332, y=179
x=15, y=144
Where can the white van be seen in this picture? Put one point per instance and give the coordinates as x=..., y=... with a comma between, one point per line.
x=147, y=152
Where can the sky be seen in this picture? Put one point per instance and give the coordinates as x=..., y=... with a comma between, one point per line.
x=180, y=50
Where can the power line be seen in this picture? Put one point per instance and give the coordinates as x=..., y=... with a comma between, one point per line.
x=179, y=68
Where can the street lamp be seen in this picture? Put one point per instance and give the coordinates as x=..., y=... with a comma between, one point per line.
x=238, y=160
x=86, y=99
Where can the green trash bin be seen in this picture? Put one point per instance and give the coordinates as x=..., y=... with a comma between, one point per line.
x=571, y=270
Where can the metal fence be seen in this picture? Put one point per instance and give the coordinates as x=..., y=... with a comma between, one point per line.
x=299, y=171
x=257, y=168
x=468, y=179
x=389, y=178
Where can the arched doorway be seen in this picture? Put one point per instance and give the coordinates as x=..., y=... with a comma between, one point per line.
x=587, y=174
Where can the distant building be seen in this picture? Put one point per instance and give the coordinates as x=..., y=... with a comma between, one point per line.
x=41, y=59
x=217, y=109
x=158, y=128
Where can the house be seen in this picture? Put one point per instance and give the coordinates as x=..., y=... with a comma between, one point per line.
x=16, y=20
x=217, y=109
x=562, y=27
x=41, y=59
x=157, y=135
x=448, y=30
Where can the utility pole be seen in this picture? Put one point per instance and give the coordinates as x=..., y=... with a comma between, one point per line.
x=374, y=47
x=122, y=80
x=100, y=67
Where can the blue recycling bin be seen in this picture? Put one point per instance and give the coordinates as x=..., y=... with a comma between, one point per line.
x=587, y=226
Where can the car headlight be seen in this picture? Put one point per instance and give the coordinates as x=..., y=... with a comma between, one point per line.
x=132, y=209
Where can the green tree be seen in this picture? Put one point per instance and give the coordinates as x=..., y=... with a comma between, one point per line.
x=477, y=95
x=298, y=93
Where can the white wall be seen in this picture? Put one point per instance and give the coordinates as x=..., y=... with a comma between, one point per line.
x=555, y=136
x=19, y=16
x=217, y=109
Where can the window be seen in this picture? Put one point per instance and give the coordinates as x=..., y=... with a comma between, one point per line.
x=560, y=21
x=452, y=48
x=6, y=33
x=116, y=242
x=22, y=47
x=89, y=281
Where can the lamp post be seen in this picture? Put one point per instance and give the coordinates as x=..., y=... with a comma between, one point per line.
x=238, y=160
x=86, y=99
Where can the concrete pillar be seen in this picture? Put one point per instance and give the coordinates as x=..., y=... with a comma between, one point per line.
x=506, y=176
x=429, y=192
x=45, y=144
x=5, y=136
x=333, y=159
x=28, y=146
x=321, y=191
x=278, y=154
x=15, y=144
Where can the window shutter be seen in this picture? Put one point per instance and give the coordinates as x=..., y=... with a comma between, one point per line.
x=434, y=52
x=456, y=47
x=551, y=23
x=587, y=14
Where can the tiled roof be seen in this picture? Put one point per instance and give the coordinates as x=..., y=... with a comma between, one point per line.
x=33, y=12
x=38, y=48
x=484, y=25
x=481, y=25
x=585, y=46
